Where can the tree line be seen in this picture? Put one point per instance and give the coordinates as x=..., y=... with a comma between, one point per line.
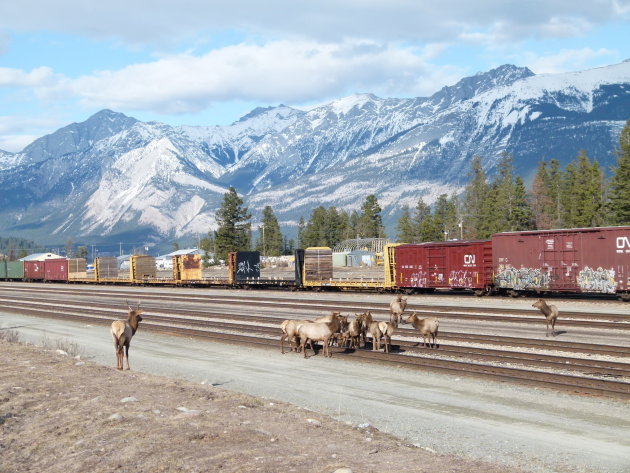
x=577, y=196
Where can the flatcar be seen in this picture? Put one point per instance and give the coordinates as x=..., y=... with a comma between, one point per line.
x=583, y=260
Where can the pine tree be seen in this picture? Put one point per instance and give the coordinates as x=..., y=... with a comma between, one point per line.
x=541, y=198
x=234, y=230
x=405, y=229
x=619, y=196
x=270, y=238
x=300, y=233
x=424, y=223
x=371, y=222
x=522, y=215
x=555, y=194
x=475, y=195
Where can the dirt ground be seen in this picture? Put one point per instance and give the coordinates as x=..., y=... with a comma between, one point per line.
x=61, y=414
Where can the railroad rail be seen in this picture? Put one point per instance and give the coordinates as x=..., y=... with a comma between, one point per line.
x=557, y=364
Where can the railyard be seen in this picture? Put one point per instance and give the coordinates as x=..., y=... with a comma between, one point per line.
x=495, y=342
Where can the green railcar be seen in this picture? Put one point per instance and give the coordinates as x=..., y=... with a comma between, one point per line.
x=15, y=269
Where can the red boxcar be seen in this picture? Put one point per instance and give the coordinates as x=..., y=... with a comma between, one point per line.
x=56, y=269
x=449, y=264
x=34, y=270
x=595, y=260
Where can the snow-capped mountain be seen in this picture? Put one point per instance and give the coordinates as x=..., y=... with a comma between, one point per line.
x=113, y=175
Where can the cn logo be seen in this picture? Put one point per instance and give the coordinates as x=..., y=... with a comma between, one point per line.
x=623, y=242
x=469, y=259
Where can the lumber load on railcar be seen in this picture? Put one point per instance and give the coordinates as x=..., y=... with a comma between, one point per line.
x=77, y=269
x=582, y=260
x=187, y=268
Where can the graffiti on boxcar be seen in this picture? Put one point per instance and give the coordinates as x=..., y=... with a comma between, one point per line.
x=418, y=279
x=597, y=280
x=521, y=279
x=461, y=278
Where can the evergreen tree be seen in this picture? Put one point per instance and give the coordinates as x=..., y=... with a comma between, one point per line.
x=619, y=196
x=582, y=193
x=555, y=194
x=353, y=231
x=234, y=230
x=300, y=233
x=209, y=254
x=314, y=233
x=445, y=218
x=424, y=223
x=475, y=196
x=269, y=238
x=405, y=229
x=370, y=222
x=541, y=198
x=522, y=215
x=82, y=252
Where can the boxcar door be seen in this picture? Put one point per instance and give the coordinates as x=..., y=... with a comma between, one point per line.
x=436, y=260
x=561, y=254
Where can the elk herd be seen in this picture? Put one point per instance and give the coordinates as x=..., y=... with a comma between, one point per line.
x=335, y=328
x=329, y=330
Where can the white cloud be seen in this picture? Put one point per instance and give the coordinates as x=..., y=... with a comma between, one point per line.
x=282, y=71
x=567, y=60
x=10, y=77
x=155, y=21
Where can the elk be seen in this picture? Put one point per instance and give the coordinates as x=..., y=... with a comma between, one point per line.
x=396, y=308
x=352, y=333
x=428, y=328
x=365, y=319
x=319, y=332
x=290, y=331
x=550, y=312
x=384, y=330
x=122, y=331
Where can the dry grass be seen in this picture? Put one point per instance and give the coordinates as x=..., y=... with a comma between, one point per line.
x=87, y=417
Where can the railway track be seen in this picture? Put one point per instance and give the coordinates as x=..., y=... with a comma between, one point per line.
x=558, y=365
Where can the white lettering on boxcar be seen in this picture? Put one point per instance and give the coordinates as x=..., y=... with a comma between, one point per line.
x=623, y=243
x=469, y=259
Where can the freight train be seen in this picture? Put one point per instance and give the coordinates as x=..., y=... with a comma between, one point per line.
x=583, y=260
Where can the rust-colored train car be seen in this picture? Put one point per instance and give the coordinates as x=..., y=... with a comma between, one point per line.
x=444, y=265
x=589, y=260
x=56, y=269
x=34, y=270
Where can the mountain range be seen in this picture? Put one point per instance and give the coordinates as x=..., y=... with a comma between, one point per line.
x=113, y=178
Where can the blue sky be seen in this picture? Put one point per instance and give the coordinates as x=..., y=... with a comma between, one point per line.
x=204, y=62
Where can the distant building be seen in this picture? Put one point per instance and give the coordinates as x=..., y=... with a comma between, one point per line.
x=165, y=262
x=41, y=257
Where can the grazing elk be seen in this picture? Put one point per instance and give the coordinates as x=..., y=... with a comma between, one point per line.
x=396, y=308
x=428, y=328
x=122, y=331
x=550, y=312
x=352, y=333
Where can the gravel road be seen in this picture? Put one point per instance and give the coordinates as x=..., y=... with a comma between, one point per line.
x=533, y=429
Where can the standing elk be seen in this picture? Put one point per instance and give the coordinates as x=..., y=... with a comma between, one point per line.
x=319, y=332
x=122, y=331
x=550, y=312
x=365, y=320
x=428, y=328
x=396, y=308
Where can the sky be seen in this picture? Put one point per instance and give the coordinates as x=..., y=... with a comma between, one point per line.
x=207, y=62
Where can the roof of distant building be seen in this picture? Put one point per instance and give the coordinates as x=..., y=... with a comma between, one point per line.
x=40, y=257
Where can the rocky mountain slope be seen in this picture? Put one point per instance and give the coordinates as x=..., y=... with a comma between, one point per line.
x=113, y=176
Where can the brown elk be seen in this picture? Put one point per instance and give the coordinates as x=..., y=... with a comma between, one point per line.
x=122, y=331
x=428, y=328
x=365, y=319
x=550, y=312
x=396, y=308
x=319, y=332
